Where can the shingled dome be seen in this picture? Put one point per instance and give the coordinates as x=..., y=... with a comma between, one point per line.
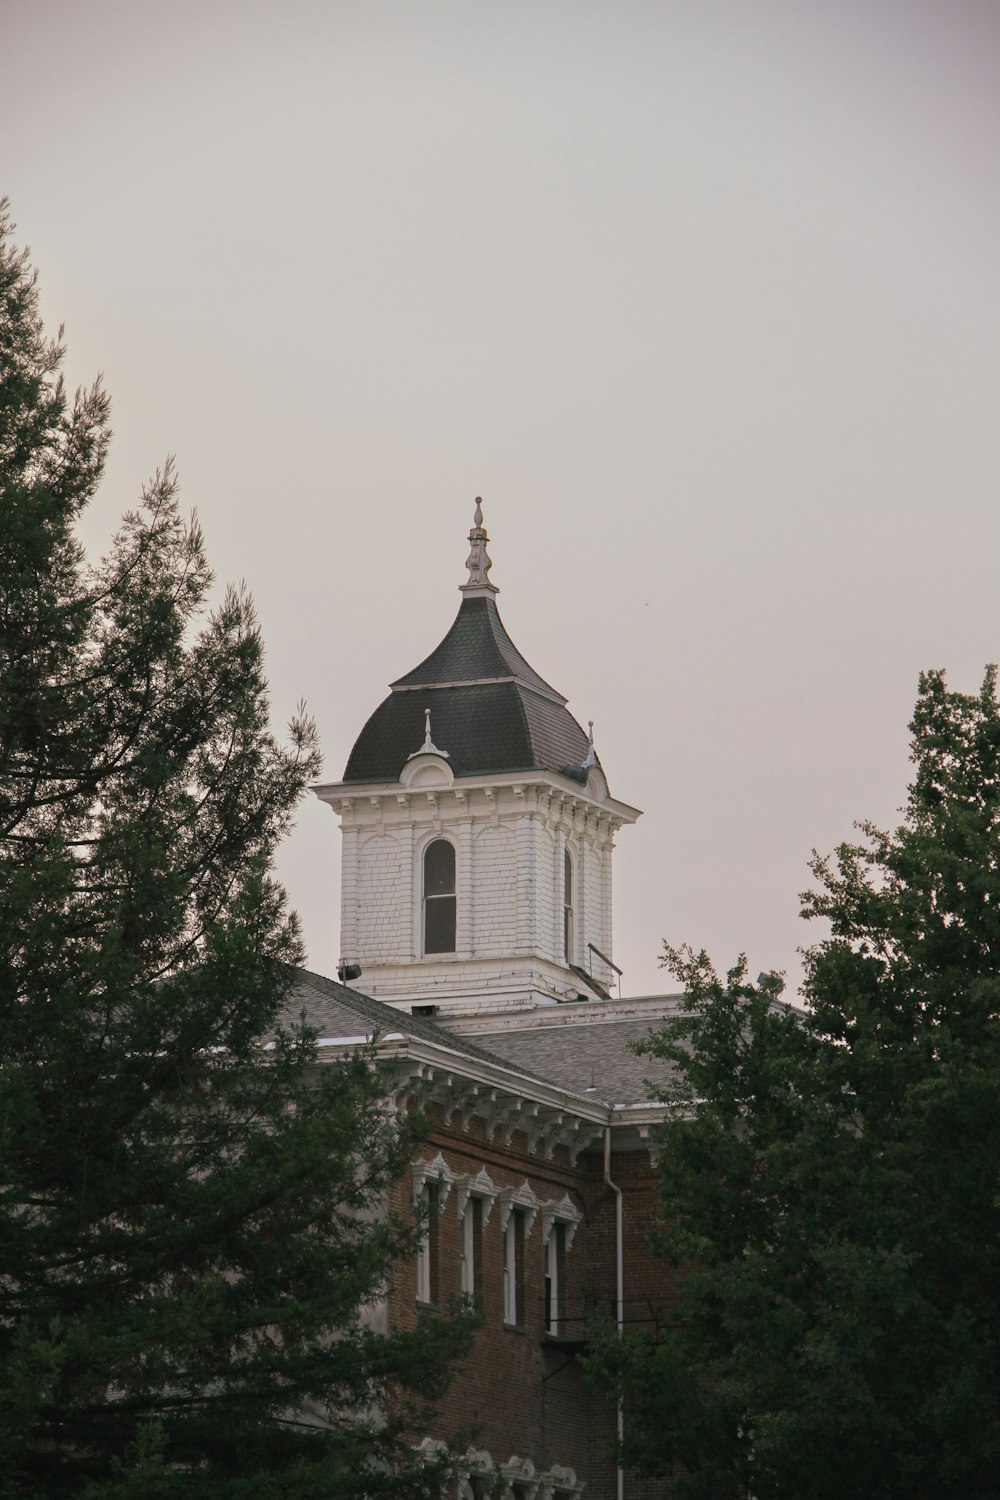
x=489, y=709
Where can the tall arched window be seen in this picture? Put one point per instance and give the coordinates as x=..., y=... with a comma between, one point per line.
x=439, y=897
x=567, y=907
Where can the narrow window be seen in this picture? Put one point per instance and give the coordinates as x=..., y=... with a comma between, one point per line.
x=513, y=1269
x=567, y=907
x=553, y=1279
x=439, y=897
x=510, y=1271
x=467, y=1247
x=427, y=1251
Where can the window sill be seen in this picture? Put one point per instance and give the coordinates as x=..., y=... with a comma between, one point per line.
x=429, y=1306
x=515, y=1328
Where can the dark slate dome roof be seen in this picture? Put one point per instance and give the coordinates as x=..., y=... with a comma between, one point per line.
x=489, y=709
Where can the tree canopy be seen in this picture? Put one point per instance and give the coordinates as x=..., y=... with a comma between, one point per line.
x=830, y=1178
x=192, y=1224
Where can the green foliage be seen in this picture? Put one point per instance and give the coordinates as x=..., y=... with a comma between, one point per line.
x=192, y=1231
x=831, y=1180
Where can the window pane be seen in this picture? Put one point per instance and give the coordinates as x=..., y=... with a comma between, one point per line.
x=552, y=1291
x=510, y=1270
x=439, y=924
x=467, y=1248
x=439, y=869
x=567, y=879
x=427, y=1250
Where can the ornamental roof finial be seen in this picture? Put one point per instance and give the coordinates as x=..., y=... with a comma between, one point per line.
x=591, y=756
x=428, y=747
x=478, y=561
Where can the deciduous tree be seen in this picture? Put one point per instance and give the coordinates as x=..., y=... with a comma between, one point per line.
x=831, y=1177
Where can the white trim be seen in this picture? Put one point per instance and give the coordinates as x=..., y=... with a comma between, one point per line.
x=424, y=1270
x=345, y=796
x=436, y=1171
x=560, y=1480
x=519, y=1471
x=560, y=1211
x=430, y=687
x=568, y=909
x=524, y=1198
x=511, y=1310
x=481, y=1186
x=554, y=1298
x=475, y=1461
x=433, y=835
x=351, y=1041
x=467, y=1247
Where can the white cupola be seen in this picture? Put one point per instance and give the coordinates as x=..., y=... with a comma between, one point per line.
x=477, y=830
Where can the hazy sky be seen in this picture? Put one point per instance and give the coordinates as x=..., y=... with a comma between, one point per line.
x=703, y=298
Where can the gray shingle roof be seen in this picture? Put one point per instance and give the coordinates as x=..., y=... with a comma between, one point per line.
x=489, y=709
x=337, y=1011
x=477, y=646
x=566, y=1055
x=570, y=1055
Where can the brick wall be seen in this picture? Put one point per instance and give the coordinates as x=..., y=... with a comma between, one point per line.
x=521, y=1391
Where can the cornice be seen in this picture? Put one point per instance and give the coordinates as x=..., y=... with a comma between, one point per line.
x=465, y=1088
x=555, y=796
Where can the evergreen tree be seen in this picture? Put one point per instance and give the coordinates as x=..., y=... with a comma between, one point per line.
x=191, y=1207
x=831, y=1180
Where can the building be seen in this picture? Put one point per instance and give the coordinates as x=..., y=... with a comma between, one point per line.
x=478, y=834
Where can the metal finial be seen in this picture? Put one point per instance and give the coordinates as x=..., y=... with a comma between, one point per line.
x=591, y=757
x=428, y=747
x=478, y=561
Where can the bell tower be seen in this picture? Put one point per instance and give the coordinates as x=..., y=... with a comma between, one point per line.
x=477, y=830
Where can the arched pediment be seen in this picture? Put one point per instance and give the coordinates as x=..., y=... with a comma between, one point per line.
x=597, y=784
x=427, y=770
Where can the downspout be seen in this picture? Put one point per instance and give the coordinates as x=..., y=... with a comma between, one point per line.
x=619, y=1290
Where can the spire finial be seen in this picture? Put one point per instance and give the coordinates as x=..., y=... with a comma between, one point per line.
x=428, y=747
x=478, y=561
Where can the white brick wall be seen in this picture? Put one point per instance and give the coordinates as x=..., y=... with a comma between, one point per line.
x=494, y=891
x=381, y=910
x=509, y=834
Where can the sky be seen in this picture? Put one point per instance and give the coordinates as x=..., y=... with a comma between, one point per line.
x=703, y=299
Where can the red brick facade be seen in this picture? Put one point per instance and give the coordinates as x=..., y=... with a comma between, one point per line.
x=522, y=1392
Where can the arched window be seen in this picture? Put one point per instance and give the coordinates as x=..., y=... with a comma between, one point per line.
x=439, y=897
x=567, y=907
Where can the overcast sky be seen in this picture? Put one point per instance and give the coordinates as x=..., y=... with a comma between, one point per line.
x=702, y=298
